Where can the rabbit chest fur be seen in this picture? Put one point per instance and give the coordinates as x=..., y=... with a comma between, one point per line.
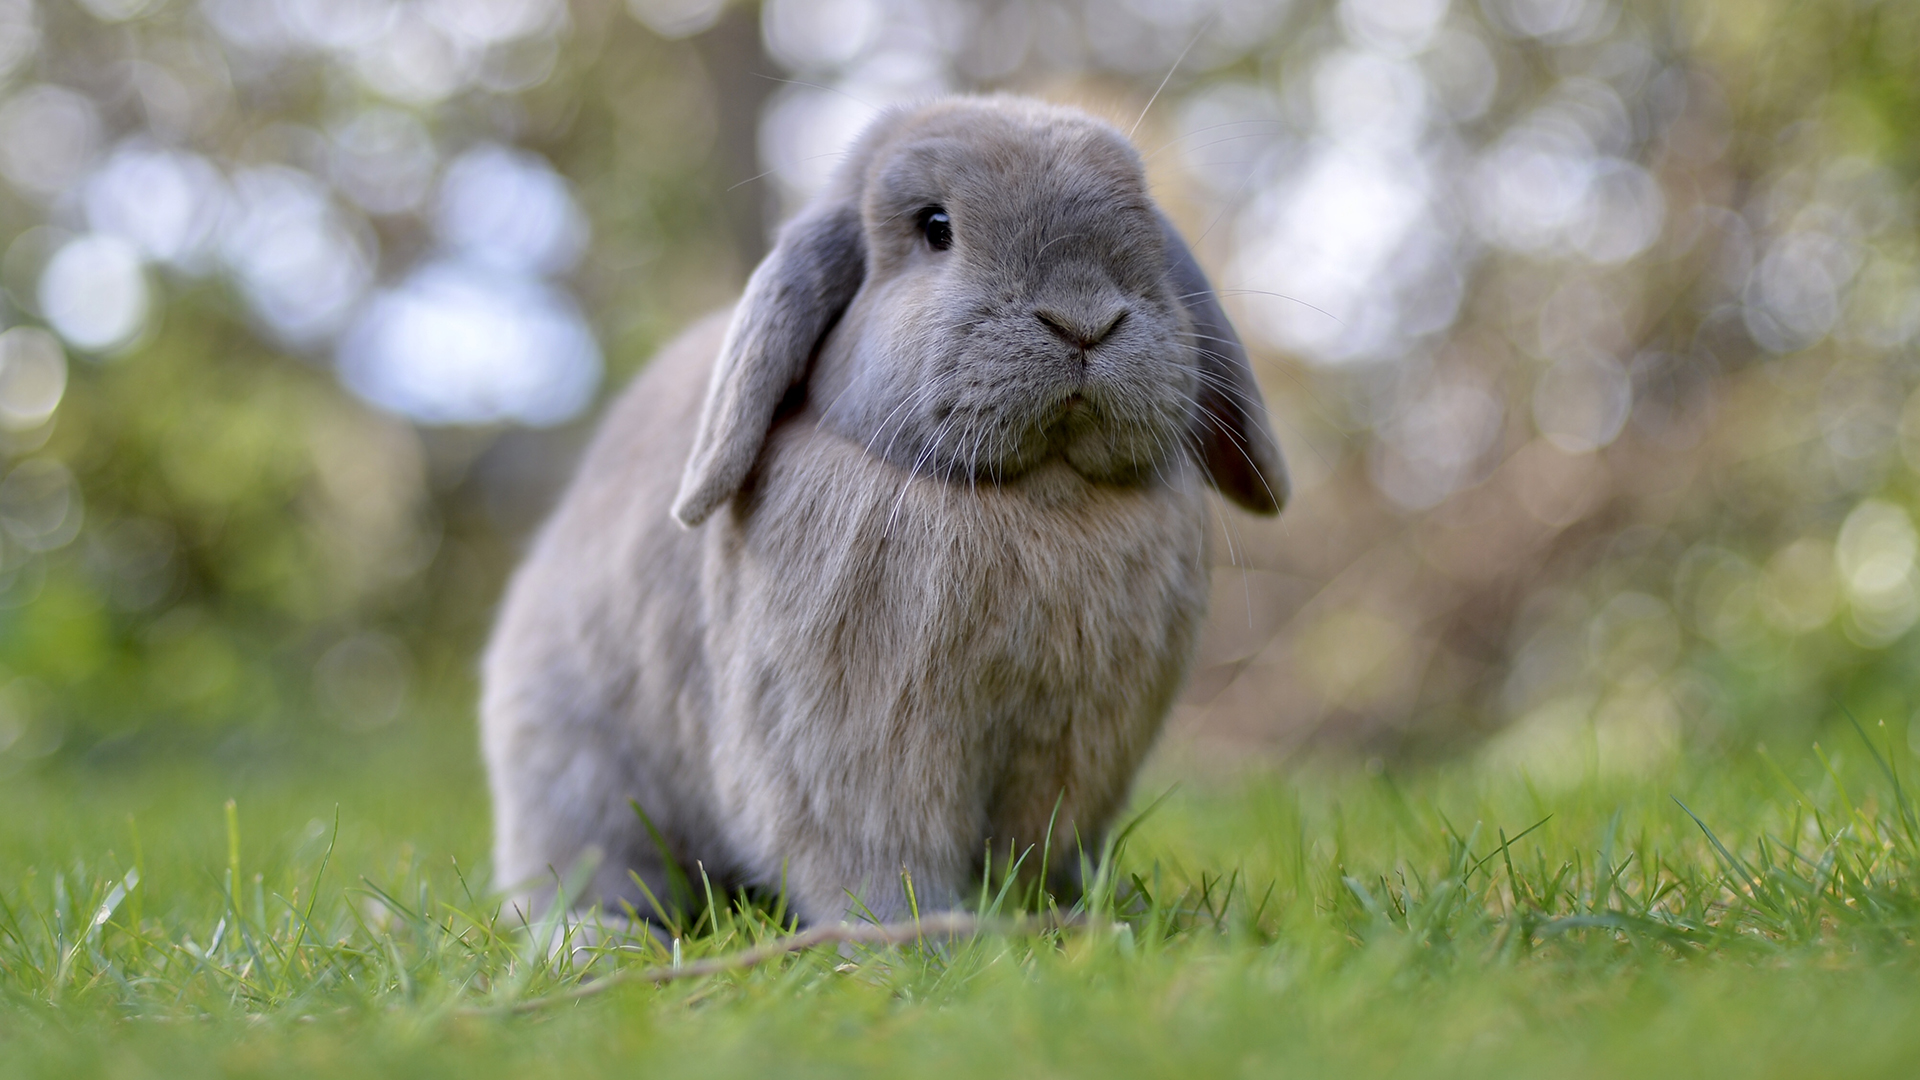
x=963, y=663
x=960, y=665
x=926, y=577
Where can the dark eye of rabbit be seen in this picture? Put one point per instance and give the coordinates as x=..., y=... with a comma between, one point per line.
x=938, y=228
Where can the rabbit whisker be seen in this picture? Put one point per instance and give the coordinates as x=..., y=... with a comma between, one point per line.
x=751, y=179
x=1238, y=444
x=817, y=86
x=912, y=475
x=1227, y=389
x=973, y=455
x=1231, y=201
x=1319, y=407
x=1178, y=139
x=1202, y=32
x=1055, y=240
x=1266, y=292
x=919, y=395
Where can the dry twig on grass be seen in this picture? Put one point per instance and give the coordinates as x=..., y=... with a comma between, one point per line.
x=949, y=924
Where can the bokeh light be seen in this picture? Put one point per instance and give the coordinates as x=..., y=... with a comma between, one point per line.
x=510, y=211
x=33, y=377
x=299, y=259
x=94, y=292
x=40, y=505
x=48, y=136
x=675, y=19
x=364, y=679
x=19, y=34
x=462, y=344
x=384, y=160
x=1588, y=326
x=165, y=202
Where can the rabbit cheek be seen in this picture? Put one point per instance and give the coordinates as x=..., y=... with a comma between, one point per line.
x=879, y=381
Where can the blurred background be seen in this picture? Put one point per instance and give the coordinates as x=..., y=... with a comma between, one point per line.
x=1589, y=328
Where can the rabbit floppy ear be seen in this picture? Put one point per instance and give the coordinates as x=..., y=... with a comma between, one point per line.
x=799, y=290
x=1238, y=449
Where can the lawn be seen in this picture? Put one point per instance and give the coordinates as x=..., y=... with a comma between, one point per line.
x=321, y=912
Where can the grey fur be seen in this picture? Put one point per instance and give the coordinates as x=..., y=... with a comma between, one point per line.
x=936, y=560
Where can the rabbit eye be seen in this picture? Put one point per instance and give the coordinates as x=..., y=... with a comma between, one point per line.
x=937, y=227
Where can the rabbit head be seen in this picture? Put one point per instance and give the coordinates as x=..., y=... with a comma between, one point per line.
x=987, y=286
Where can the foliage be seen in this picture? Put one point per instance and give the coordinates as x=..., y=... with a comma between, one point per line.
x=1614, y=454
x=234, y=542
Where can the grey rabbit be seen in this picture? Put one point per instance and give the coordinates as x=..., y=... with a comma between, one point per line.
x=903, y=560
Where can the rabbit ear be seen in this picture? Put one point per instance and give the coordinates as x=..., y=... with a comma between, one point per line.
x=798, y=292
x=1238, y=449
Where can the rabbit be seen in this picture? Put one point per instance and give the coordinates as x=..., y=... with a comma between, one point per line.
x=902, y=561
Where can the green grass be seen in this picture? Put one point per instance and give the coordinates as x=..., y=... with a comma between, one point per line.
x=1452, y=922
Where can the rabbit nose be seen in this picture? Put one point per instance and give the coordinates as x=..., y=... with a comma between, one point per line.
x=1084, y=330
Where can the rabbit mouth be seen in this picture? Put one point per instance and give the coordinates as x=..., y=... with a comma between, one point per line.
x=1049, y=434
x=1080, y=428
x=1082, y=402
x=1071, y=418
x=1077, y=424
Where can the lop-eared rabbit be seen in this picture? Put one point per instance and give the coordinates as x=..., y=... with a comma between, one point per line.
x=904, y=557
